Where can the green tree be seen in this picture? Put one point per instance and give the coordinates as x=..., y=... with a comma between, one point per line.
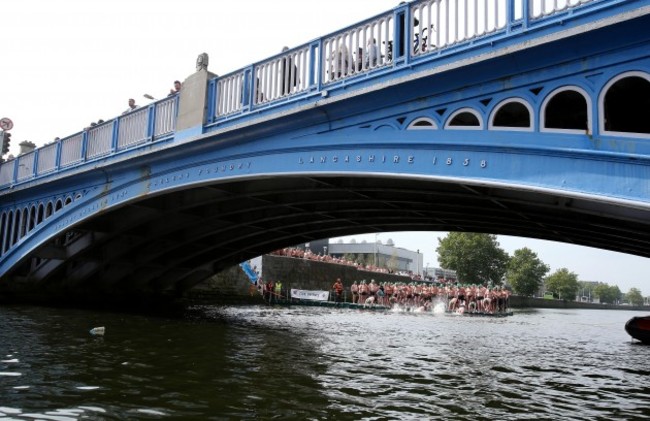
x=563, y=284
x=634, y=297
x=606, y=293
x=475, y=257
x=526, y=272
x=586, y=289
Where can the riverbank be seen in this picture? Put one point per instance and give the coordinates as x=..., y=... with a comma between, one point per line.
x=532, y=302
x=233, y=287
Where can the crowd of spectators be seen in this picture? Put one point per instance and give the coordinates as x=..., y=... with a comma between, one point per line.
x=327, y=258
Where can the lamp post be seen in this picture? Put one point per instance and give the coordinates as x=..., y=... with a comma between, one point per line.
x=376, y=263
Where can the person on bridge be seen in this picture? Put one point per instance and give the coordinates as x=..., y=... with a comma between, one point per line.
x=132, y=106
x=339, y=61
x=372, y=54
x=289, y=74
x=176, y=89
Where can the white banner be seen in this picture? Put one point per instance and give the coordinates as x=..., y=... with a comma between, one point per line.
x=309, y=295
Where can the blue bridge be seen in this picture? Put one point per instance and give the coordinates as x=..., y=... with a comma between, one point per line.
x=518, y=117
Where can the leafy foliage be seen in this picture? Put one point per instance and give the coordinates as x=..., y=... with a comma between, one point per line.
x=525, y=272
x=563, y=284
x=607, y=293
x=476, y=258
x=634, y=297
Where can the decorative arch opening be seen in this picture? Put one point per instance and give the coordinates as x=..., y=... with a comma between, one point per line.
x=16, y=227
x=9, y=230
x=58, y=206
x=40, y=214
x=512, y=114
x=624, y=104
x=24, y=223
x=466, y=119
x=3, y=231
x=423, y=123
x=567, y=109
x=32, y=218
x=49, y=209
x=68, y=200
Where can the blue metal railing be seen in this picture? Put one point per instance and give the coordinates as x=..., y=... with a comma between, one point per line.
x=415, y=31
x=122, y=133
x=419, y=30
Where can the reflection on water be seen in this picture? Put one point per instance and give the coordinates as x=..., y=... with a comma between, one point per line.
x=317, y=363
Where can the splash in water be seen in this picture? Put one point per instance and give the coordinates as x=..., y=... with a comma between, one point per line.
x=439, y=308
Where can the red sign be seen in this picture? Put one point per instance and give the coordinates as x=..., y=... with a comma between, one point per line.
x=6, y=124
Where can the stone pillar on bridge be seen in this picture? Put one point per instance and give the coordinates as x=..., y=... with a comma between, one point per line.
x=26, y=147
x=192, y=105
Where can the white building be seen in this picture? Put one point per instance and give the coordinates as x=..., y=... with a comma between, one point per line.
x=382, y=255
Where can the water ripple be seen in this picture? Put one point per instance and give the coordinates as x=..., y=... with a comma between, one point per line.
x=321, y=364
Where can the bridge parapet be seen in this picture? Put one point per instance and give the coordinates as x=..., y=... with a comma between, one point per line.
x=125, y=132
x=418, y=31
x=415, y=32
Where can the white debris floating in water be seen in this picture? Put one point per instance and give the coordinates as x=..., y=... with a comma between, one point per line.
x=98, y=331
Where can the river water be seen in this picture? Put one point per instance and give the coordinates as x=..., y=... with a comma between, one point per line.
x=307, y=363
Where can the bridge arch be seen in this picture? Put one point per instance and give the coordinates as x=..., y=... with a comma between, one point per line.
x=5, y=224
x=567, y=109
x=8, y=234
x=422, y=123
x=32, y=218
x=41, y=213
x=623, y=105
x=3, y=231
x=465, y=118
x=386, y=126
x=6, y=238
x=49, y=209
x=24, y=216
x=495, y=81
x=16, y=225
x=512, y=114
x=11, y=229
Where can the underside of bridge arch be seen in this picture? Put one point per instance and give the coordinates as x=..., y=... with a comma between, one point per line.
x=168, y=243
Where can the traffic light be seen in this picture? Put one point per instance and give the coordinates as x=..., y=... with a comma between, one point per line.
x=6, y=141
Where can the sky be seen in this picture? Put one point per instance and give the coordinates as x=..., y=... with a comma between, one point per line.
x=67, y=63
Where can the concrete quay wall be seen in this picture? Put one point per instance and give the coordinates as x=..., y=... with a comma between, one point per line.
x=233, y=287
